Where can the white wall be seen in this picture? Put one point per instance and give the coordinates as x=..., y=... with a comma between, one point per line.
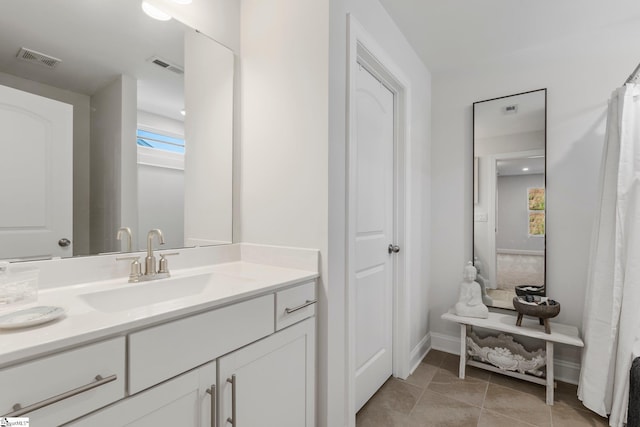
x=81, y=133
x=167, y=125
x=375, y=21
x=208, y=88
x=512, y=228
x=284, y=134
x=218, y=19
x=160, y=205
x=114, y=187
x=580, y=72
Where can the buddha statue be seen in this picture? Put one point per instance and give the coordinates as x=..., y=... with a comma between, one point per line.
x=470, y=299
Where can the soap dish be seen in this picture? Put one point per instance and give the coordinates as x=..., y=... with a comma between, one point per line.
x=30, y=317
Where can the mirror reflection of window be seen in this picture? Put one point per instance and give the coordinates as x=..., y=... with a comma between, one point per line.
x=509, y=185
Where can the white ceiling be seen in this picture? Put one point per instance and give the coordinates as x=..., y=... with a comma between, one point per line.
x=533, y=165
x=449, y=34
x=96, y=40
x=490, y=118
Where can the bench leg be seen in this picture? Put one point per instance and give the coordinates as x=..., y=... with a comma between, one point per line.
x=463, y=350
x=550, y=382
x=519, y=320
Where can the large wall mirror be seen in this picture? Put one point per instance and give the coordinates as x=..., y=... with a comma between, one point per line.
x=111, y=119
x=509, y=152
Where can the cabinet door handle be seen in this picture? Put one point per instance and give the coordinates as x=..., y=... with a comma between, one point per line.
x=232, y=418
x=300, y=307
x=18, y=410
x=212, y=392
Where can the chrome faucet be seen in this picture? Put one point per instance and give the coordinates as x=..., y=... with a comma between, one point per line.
x=127, y=231
x=150, y=271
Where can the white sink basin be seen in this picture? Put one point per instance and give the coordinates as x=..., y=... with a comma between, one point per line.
x=143, y=294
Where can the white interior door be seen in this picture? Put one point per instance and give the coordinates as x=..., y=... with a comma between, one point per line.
x=36, y=155
x=371, y=270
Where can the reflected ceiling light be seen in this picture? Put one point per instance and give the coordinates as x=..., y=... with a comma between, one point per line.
x=525, y=169
x=182, y=1
x=154, y=12
x=183, y=112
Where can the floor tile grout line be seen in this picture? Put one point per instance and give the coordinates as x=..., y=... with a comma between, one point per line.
x=416, y=404
x=509, y=417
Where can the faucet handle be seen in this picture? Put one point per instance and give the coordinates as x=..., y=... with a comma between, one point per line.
x=163, y=264
x=136, y=268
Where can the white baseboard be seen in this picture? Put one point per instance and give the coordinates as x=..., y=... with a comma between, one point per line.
x=419, y=352
x=446, y=343
x=564, y=370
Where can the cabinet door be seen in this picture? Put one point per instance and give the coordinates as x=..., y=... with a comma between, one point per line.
x=182, y=401
x=274, y=380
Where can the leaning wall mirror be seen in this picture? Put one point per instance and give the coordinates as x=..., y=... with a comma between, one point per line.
x=111, y=119
x=509, y=161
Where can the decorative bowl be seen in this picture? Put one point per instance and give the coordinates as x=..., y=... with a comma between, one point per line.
x=542, y=312
x=523, y=290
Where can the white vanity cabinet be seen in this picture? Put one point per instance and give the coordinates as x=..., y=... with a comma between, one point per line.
x=270, y=382
x=251, y=363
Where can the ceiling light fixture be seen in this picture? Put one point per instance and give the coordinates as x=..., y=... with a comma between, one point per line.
x=525, y=169
x=183, y=112
x=154, y=12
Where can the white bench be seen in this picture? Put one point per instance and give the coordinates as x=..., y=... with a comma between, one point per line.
x=563, y=334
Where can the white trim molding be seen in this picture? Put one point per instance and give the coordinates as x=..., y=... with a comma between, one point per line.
x=419, y=352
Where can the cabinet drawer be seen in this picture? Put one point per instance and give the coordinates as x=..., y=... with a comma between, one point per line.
x=164, y=351
x=295, y=304
x=49, y=377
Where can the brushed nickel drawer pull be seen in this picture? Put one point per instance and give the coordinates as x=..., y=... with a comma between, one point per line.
x=18, y=410
x=232, y=418
x=300, y=307
x=212, y=392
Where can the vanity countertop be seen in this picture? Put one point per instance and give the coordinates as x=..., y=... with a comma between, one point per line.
x=227, y=283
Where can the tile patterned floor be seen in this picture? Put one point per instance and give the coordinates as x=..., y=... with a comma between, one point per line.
x=434, y=396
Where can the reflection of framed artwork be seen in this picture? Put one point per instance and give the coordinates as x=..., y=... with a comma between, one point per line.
x=536, y=223
x=536, y=205
x=475, y=181
x=536, y=199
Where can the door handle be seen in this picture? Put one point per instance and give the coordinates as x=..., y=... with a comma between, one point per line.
x=63, y=243
x=394, y=249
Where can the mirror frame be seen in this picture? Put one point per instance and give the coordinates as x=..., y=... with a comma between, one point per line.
x=475, y=180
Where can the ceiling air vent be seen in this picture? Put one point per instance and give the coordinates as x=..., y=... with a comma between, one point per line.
x=167, y=65
x=37, y=58
x=510, y=109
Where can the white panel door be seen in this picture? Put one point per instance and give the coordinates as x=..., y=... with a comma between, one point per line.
x=36, y=155
x=372, y=269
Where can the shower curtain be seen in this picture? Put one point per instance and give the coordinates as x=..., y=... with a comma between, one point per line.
x=611, y=323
